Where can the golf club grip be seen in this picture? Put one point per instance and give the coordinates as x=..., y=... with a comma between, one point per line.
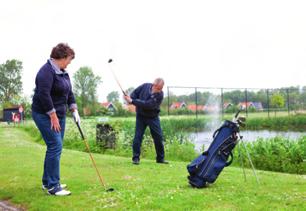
x=80, y=130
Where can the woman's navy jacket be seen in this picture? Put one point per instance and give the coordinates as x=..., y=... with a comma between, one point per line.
x=53, y=91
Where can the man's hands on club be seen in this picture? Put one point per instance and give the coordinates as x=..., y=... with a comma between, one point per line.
x=128, y=99
x=76, y=116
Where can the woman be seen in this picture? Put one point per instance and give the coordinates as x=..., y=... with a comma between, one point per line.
x=52, y=94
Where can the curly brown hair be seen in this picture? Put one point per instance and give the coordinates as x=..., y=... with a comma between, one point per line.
x=62, y=51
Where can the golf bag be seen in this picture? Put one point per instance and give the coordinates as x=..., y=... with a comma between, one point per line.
x=207, y=166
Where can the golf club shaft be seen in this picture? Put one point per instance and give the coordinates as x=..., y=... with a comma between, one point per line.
x=116, y=79
x=91, y=157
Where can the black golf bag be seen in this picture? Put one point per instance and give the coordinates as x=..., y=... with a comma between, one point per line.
x=207, y=167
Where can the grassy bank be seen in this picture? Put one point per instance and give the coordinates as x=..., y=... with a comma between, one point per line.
x=177, y=147
x=148, y=186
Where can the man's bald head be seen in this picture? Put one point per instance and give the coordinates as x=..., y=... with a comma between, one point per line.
x=158, y=85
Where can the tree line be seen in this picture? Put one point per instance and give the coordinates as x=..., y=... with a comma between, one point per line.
x=85, y=84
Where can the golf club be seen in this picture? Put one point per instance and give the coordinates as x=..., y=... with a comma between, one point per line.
x=93, y=161
x=110, y=66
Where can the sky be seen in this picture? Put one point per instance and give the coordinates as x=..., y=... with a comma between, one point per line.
x=230, y=44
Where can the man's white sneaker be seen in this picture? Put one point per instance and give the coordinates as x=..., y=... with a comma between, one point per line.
x=63, y=186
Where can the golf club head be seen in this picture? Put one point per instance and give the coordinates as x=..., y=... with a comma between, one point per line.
x=110, y=190
x=110, y=61
x=242, y=118
x=242, y=124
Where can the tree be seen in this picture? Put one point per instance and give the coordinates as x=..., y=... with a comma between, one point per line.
x=85, y=88
x=277, y=101
x=303, y=98
x=10, y=80
x=113, y=96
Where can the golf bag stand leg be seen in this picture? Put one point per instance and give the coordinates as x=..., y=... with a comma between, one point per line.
x=241, y=160
x=249, y=158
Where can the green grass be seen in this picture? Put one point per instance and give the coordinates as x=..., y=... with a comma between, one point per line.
x=149, y=186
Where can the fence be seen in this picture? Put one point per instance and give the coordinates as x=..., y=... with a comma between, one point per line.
x=207, y=100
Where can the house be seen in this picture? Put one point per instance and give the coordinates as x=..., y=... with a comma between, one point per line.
x=178, y=105
x=211, y=108
x=109, y=106
x=193, y=107
x=256, y=105
x=244, y=105
x=227, y=105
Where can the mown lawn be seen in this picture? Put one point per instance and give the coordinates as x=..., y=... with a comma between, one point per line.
x=148, y=186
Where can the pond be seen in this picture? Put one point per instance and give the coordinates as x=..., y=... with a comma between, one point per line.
x=205, y=137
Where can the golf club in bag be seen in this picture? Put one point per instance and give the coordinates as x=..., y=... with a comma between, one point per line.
x=92, y=159
x=206, y=167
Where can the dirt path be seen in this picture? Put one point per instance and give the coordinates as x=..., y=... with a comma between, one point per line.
x=7, y=206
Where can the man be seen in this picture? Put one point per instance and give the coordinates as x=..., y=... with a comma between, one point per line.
x=147, y=99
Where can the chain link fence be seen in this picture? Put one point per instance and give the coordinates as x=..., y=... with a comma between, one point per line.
x=207, y=100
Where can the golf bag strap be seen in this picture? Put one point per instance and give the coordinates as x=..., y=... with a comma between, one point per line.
x=216, y=132
x=231, y=160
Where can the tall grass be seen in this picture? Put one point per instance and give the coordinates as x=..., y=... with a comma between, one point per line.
x=295, y=123
x=275, y=154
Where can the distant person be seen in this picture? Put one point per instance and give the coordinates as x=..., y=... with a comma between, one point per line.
x=52, y=94
x=147, y=99
x=15, y=118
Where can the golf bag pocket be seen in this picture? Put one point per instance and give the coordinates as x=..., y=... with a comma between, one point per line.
x=197, y=163
x=219, y=163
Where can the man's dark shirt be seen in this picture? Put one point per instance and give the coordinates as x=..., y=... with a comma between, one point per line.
x=147, y=103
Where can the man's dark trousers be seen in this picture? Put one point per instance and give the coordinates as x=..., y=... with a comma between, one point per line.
x=156, y=132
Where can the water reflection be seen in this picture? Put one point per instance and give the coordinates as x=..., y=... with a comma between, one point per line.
x=205, y=137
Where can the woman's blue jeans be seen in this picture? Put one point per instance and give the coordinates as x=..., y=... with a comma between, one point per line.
x=54, y=142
